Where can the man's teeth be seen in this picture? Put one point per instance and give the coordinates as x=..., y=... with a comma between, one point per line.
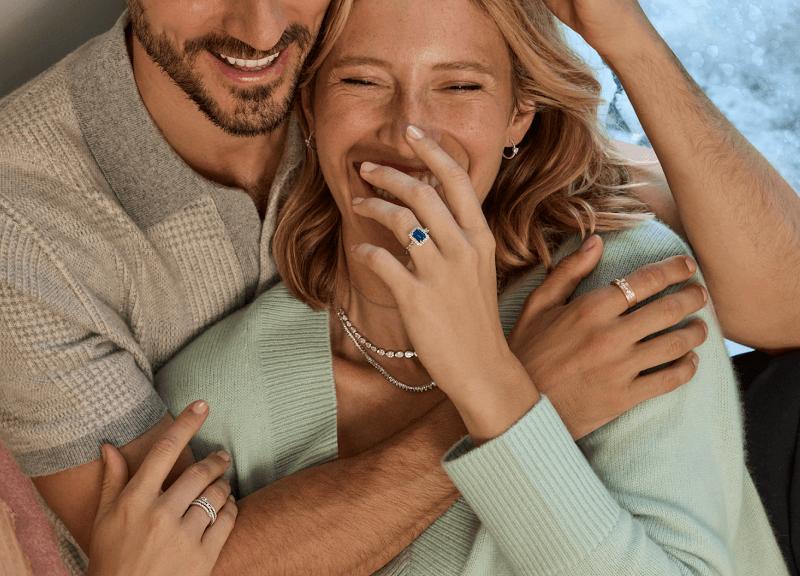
x=252, y=65
x=424, y=177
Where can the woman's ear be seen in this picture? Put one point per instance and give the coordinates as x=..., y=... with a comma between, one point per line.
x=519, y=125
x=307, y=117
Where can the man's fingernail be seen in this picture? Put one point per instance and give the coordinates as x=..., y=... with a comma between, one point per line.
x=199, y=407
x=691, y=265
x=368, y=166
x=224, y=455
x=589, y=244
x=414, y=132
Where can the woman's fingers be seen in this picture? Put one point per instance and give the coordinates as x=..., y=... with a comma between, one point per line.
x=402, y=222
x=215, y=536
x=382, y=263
x=197, y=518
x=164, y=453
x=456, y=183
x=194, y=480
x=115, y=477
x=670, y=346
x=666, y=312
x=420, y=197
x=649, y=281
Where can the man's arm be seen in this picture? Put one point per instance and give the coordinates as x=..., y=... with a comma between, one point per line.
x=350, y=516
x=739, y=214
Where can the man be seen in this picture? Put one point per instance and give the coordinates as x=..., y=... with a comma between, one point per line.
x=139, y=183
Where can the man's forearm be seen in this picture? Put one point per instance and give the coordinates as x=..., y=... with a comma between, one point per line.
x=741, y=217
x=350, y=516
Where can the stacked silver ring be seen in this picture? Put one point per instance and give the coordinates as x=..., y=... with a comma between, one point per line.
x=206, y=505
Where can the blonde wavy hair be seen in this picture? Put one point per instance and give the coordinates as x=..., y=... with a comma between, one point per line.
x=566, y=179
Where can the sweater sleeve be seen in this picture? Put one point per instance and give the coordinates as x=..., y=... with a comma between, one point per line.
x=657, y=491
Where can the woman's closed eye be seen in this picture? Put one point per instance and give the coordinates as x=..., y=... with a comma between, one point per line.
x=358, y=82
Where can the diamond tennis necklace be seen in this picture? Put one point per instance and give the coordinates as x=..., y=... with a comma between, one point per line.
x=360, y=341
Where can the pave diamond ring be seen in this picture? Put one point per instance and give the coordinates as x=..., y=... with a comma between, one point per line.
x=418, y=237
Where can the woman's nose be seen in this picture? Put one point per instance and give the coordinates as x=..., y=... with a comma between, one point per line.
x=259, y=23
x=405, y=110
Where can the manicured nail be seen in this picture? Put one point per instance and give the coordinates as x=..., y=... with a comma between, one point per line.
x=231, y=499
x=414, y=132
x=695, y=359
x=357, y=200
x=199, y=407
x=368, y=166
x=691, y=265
x=353, y=247
x=589, y=244
x=705, y=294
x=705, y=327
x=224, y=455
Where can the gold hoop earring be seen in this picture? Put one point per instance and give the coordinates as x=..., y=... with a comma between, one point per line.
x=514, y=150
x=310, y=141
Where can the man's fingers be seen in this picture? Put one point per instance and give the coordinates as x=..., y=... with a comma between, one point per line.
x=666, y=311
x=164, y=453
x=672, y=345
x=115, y=477
x=665, y=380
x=652, y=279
x=564, y=278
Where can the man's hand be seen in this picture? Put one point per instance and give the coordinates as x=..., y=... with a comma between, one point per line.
x=606, y=25
x=586, y=356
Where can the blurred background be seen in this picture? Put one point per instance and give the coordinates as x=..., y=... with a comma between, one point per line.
x=744, y=54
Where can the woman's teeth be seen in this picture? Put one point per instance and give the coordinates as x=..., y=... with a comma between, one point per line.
x=424, y=177
x=250, y=65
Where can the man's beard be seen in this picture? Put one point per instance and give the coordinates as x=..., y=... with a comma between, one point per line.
x=255, y=113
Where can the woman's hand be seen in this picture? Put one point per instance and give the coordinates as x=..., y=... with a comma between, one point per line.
x=141, y=530
x=448, y=297
x=586, y=356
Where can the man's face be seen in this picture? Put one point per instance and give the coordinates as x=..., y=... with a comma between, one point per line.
x=238, y=61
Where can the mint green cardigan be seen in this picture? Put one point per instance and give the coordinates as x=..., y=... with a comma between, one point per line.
x=663, y=489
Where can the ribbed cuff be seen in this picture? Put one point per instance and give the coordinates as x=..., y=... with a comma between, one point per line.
x=535, y=492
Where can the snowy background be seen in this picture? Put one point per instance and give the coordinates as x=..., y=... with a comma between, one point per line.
x=745, y=55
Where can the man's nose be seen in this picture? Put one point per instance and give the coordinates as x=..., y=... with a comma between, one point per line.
x=404, y=110
x=259, y=23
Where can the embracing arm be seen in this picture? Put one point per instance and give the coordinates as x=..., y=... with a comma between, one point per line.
x=731, y=204
x=396, y=489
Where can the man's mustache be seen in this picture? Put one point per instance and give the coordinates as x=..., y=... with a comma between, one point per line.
x=235, y=48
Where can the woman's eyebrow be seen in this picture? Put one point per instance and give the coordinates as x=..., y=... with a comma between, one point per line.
x=362, y=61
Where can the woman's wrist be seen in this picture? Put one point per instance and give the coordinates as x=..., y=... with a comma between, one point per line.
x=489, y=405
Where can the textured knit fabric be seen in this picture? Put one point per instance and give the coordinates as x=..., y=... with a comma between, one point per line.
x=662, y=489
x=113, y=255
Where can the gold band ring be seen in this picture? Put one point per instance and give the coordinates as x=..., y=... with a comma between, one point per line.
x=623, y=285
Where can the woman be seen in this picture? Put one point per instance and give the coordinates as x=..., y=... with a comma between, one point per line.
x=392, y=276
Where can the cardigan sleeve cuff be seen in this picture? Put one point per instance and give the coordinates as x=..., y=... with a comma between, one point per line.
x=535, y=492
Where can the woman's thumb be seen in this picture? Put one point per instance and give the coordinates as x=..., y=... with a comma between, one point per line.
x=115, y=477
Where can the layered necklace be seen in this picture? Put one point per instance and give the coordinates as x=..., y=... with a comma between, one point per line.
x=363, y=344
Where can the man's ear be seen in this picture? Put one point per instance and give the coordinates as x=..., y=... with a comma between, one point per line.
x=519, y=124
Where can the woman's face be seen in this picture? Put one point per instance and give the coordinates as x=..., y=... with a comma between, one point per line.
x=441, y=65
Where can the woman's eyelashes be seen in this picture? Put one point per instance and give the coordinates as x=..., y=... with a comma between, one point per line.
x=455, y=87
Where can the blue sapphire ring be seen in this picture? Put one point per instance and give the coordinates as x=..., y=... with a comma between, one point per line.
x=418, y=237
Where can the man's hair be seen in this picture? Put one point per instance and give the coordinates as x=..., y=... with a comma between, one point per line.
x=567, y=178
